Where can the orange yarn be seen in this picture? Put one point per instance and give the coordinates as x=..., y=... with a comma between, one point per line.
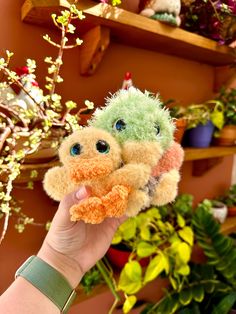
x=94, y=209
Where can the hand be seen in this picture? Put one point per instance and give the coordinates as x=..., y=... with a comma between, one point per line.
x=74, y=247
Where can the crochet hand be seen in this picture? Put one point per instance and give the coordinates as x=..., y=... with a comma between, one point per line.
x=74, y=247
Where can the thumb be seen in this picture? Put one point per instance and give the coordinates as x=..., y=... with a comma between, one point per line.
x=68, y=201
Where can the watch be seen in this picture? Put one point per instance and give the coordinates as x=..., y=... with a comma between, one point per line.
x=49, y=281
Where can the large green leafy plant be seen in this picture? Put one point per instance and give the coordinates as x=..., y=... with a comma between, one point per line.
x=166, y=238
x=228, y=99
x=29, y=117
x=210, y=287
x=229, y=197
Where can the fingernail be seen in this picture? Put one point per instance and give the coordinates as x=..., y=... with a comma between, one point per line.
x=81, y=193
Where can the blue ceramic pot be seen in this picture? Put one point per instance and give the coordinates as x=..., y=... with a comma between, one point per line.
x=200, y=136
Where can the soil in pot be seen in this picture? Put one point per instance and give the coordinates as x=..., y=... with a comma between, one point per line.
x=232, y=211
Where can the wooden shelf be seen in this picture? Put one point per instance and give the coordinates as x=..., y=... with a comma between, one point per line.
x=133, y=29
x=229, y=226
x=209, y=152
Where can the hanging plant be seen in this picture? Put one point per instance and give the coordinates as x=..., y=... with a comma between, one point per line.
x=29, y=116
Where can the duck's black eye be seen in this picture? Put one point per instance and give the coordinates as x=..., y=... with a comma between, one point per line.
x=119, y=125
x=75, y=150
x=157, y=128
x=102, y=147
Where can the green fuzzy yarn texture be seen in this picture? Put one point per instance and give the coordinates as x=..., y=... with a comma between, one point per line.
x=165, y=17
x=142, y=114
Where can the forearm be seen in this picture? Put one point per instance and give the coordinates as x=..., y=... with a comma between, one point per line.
x=23, y=298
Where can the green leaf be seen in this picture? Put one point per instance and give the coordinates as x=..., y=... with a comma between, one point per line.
x=129, y=303
x=130, y=280
x=198, y=293
x=117, y=238
x=209, y=287
x=180, y=221
x=145, y=233
x=226, y=304
x=173, y=282
x=166, y=263
x=128, y=229
x=187, y=235
x=153, y=213
x=185, y=296
x=184, y=252
x=183, y=270
x=155, y=267
x=145, y=249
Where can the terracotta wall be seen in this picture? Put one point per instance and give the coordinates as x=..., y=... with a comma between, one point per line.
x=172, y=77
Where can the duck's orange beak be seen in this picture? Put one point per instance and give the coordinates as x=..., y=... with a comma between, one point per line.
x=90, y=168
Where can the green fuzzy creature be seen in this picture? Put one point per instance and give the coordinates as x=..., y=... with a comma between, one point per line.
x=145, y=131
x=135, y=116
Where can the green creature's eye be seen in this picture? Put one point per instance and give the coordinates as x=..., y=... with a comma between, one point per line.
x=157, y=128
x=102, y=147
x=75, y=150
x=119, y=125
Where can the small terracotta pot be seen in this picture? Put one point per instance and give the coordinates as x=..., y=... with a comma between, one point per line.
x=227, y=136
x=232, y=211
x=119, y=258
x=181, y=125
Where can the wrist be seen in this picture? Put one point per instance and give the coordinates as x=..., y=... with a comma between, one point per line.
x=67, y=266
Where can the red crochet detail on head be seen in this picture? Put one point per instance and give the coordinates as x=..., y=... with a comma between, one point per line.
x=127, y=76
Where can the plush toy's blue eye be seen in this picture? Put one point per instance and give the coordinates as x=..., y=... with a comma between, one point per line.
x=102, y=147
x=75, y=150
x=119, y=125
x=157, y=128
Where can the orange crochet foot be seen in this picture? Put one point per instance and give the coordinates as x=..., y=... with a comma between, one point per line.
x=90, y=210
x=115, y=202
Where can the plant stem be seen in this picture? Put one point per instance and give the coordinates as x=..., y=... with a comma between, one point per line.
x=101, y=267
x=59, y=56
x=7, y=72
x=5, y=227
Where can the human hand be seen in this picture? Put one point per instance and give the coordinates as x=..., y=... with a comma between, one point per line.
x=74, y=247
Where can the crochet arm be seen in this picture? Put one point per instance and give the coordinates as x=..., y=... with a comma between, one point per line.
x=133, y=175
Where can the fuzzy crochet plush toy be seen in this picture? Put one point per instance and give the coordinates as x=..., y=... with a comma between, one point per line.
x=126, y=156
x=145, y=132
x=92, y=157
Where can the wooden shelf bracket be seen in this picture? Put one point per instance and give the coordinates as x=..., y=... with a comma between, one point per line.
x=95, y=43
x=203, y=165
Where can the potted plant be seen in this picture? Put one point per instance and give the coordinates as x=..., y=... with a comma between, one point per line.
x=201, y=122
x=229, y=199
x=227, y=136
x=177, y=113
x=165, y=239
x=212, y=19
x=31, y=118
x=210, y=287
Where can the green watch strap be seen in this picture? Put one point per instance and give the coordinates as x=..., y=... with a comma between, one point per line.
x=49, y=281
